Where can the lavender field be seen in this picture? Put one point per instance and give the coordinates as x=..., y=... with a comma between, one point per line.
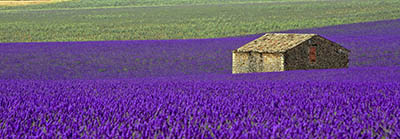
x=185, y=89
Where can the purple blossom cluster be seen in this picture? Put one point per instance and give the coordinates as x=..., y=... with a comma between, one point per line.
x=185, y=89
x=162, y=108
x=117, y=59
x=374, y=44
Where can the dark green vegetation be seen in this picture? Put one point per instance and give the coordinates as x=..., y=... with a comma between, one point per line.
x=184, y=21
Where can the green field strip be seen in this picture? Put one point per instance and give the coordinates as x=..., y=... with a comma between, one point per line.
x=186, y=21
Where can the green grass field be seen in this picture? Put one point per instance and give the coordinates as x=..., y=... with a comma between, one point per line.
x=180, y=19
x=140, y=3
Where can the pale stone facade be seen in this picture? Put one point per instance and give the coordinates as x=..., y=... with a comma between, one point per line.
x=280, y=52
x=257, y=62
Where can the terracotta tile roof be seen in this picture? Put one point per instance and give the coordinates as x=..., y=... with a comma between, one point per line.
x=275, y=42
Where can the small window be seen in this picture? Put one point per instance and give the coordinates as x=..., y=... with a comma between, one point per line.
x=312, y=54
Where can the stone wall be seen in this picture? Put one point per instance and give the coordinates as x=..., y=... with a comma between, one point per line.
x=273, y=62
x=240, y=62
x=256, y=62
x=328, y=55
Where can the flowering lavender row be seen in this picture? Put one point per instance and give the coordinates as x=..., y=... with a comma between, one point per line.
x=183, y=88
x=371, y=74
x=117, y=59
x=373, y=44
x=199, y=109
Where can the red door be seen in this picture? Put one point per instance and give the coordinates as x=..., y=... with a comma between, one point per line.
x=313, y=54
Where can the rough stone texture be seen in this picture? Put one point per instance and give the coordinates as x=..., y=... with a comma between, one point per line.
x=257, y=62
x=273, y=62
x=329, y=55
x=275, y=42
x=240, y=62
x=253, y=57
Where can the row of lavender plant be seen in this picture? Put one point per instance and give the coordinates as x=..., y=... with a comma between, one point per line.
x=362, y=101
x=199, y=109
x=374, y=44
x=116, y=59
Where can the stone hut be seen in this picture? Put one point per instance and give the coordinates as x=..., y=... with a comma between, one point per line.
x=275, y=52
